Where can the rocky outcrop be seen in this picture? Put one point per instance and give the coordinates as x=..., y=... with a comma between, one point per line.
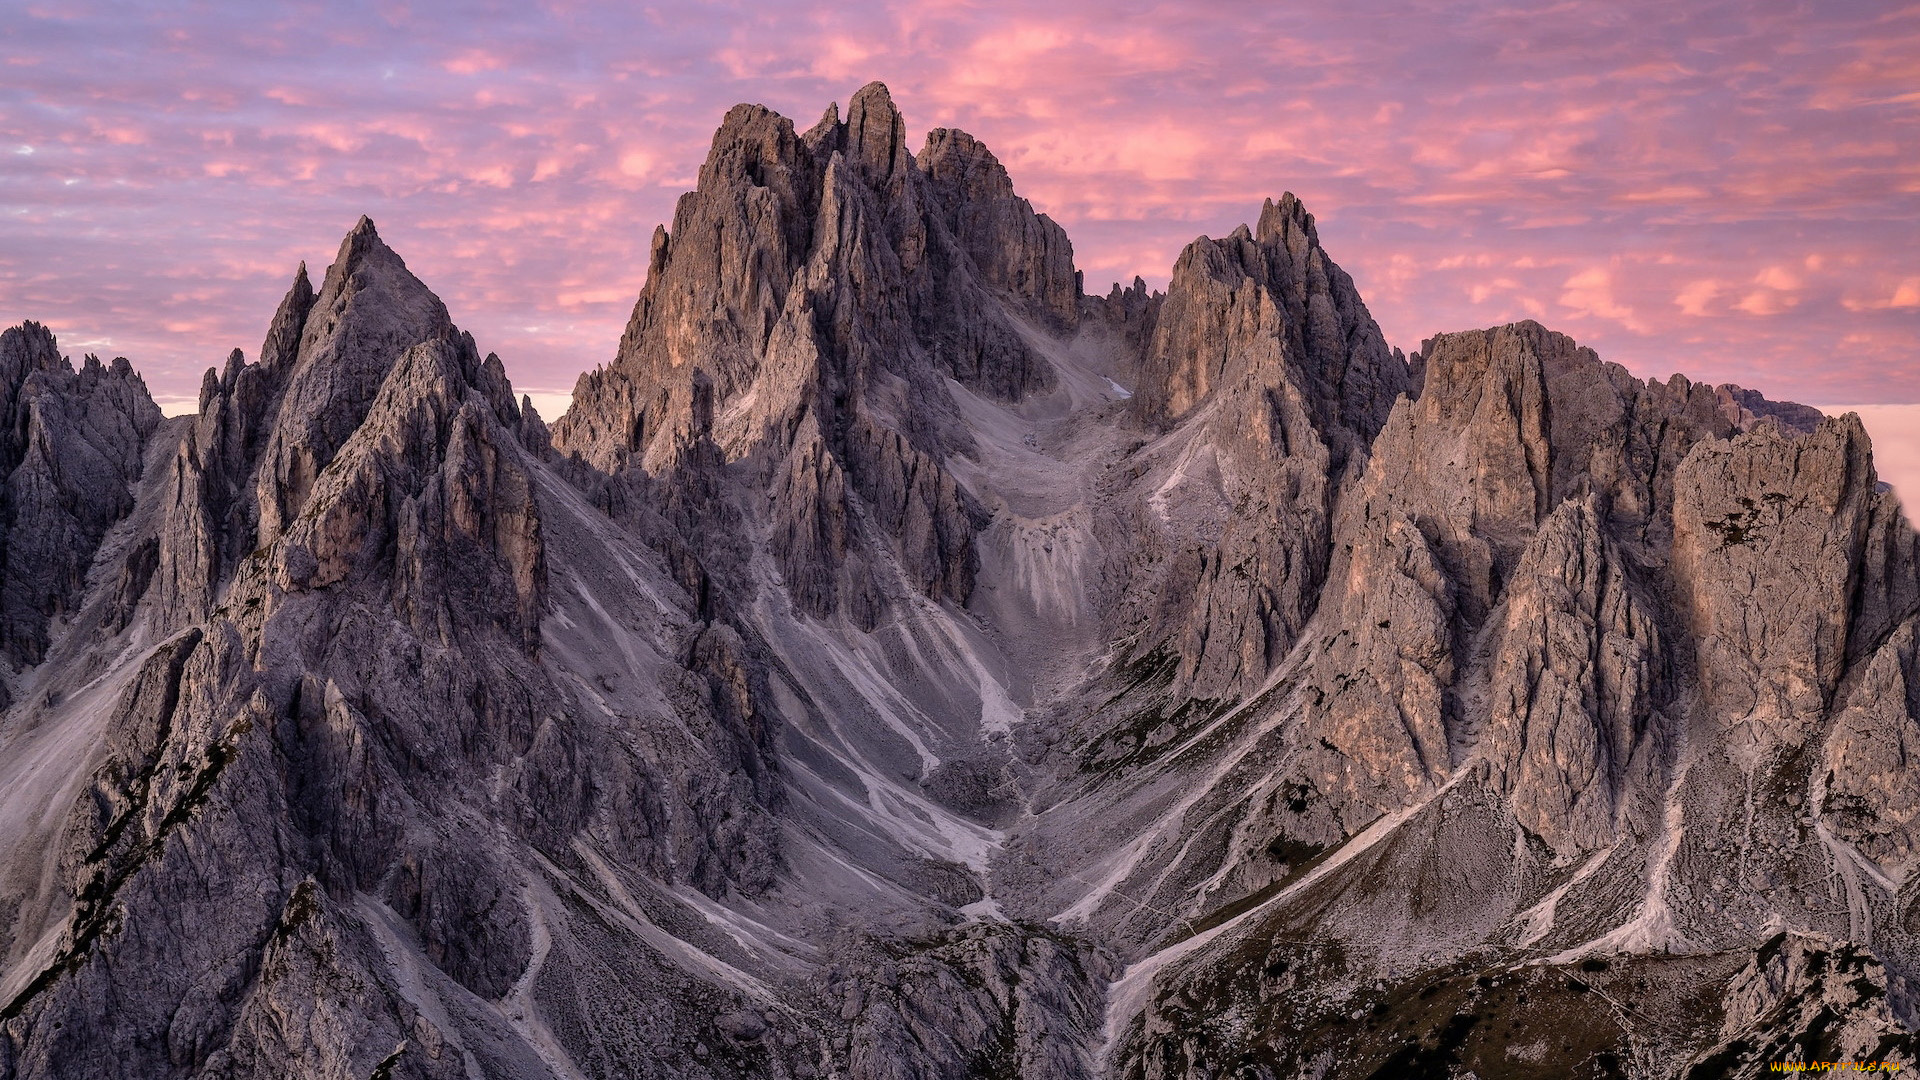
x=1871, y=792
x=1532, y=419
x=860, y=262
x=1575, y=687
x=1519, y=647
x=369, y=310
x=1269, y=303
x=1805, y=1002
x=1769, y=532
x=266, y=431
x=1132, y=313
x=1263, y=355
x=1234, y=515
x=1021, y=253
x=72, y=446
x=431, y=485
x=987, y=1001
x=1744, y=408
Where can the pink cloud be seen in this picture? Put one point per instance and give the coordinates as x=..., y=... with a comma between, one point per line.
x=1724, y=192
x=473, y=62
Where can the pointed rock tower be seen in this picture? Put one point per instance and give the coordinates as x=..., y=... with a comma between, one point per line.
x=806, y=310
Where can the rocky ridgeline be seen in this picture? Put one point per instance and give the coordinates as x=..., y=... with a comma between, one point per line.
x=901, y=664
x=71, y=444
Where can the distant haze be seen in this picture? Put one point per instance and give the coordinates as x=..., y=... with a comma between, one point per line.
x=1895, y=431
x=1728, y=191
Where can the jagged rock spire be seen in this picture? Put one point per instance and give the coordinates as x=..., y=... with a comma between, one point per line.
x=369, y=310
x=802, y=284
x=71, y=446
x=876, y=136
x=1270, y=305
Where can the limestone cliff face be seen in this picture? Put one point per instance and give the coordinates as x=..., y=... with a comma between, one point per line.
x=1573, y=722
x=1871, y=794
x=1015, y=250
x=1269, y=302
x=266, y=431
x=821, y=288
x=1770, y=539
x=1645, y=636
x=1271, y=377
x=898, y=665
x=71, y=448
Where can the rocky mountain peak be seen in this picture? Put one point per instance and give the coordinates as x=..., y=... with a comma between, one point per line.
x=828, y=125
x=876, y=135
x=962, y=162
x=267, y=431
x=27, y=348
x=282, y=345
x=1267, y=382
x=72, y=444
x=1022, y=253
x=821, y=289
x=369, y=309
x=1267, y=306
x=363, y=236
x=1287, y=223
x=766, y=228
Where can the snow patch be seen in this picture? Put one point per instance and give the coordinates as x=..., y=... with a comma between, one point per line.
x=1537, y=921
x=629, y=913
x=1128, y=995
x=1653, y=930
x=987, y=910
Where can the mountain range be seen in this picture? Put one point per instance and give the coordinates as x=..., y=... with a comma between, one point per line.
x=900, y=664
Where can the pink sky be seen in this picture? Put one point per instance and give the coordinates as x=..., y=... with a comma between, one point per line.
x=1725, y=189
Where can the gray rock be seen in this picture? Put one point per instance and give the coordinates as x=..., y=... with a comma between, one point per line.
x=1015, y=250
x=899, y=665
x=71, y=448
x=1573, y=694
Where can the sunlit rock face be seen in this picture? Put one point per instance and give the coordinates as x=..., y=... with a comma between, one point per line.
x=901, y=663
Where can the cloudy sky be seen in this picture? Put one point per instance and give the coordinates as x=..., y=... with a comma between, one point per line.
x=1731, y=190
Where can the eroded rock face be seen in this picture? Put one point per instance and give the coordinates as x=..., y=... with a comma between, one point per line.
x=820, y=288
x=1273, y=377
x=1803, y=1000
x=1015, y=250
x=1576, y=686
x=336, y=771
x=899, y=665
x=1872, y=791
x=72, y=449
x=1517, y=655
x=1769, y=532
x=369, y=310
x=1270, y=298
x=989, y=1001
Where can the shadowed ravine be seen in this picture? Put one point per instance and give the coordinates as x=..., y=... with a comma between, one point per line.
x=898, y=664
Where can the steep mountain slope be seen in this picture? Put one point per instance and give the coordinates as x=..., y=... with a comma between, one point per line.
x=898, y=664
